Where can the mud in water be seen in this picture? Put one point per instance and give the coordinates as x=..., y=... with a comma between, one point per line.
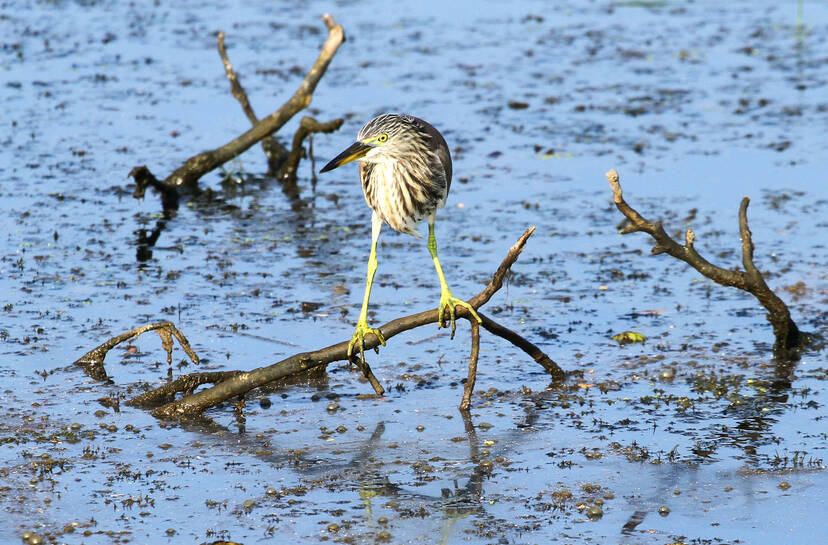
x=695, y=436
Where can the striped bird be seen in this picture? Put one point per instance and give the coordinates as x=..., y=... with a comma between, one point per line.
x=405, y=170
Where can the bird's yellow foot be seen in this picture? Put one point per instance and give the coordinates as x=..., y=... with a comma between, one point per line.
x=448, y=301
x=359, y=338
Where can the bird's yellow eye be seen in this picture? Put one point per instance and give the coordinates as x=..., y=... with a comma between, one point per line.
x=382, y=138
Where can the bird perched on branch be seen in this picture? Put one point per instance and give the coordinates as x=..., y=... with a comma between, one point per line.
x=405, y=169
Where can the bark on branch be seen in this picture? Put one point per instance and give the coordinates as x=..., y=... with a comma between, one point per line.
x=788, y=339
x=239, y=383
x=307, y=127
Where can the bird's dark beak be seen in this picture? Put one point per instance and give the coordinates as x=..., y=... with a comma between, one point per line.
x=355, y=151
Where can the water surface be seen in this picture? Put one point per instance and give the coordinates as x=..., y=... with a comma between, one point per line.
x=696, y=105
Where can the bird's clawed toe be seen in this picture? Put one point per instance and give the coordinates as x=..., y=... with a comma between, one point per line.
x=449, y=302
x=358, y=339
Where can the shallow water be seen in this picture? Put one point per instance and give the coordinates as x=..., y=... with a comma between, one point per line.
x=696, y=106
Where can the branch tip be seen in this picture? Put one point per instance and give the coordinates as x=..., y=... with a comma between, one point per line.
x=615, y=185
x=521, y=242
x=629, y=228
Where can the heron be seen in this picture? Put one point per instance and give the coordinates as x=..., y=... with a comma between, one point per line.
x=405, y=170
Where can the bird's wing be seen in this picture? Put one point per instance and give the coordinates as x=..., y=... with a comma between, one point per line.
x=441, y=149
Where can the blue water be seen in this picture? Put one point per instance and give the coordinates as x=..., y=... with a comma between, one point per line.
x=696, y=105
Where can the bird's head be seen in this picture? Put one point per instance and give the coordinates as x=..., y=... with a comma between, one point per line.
x=386, y=137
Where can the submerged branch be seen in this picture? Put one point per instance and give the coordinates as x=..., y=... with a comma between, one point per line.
x=93, y=361
x=144, y=179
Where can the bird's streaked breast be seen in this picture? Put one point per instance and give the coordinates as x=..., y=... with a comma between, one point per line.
x=403, y=193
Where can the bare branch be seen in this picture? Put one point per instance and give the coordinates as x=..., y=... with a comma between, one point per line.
x=788, y=340
x=186, y=384
x=144, y=178
x=367, y=373
x=307, y=126
x=747, y=243
x=536, y=353
x=235, y=86
x=93, y=361
x=197, y=166
x=274, y=151
x=468, y=388
x=243, y=382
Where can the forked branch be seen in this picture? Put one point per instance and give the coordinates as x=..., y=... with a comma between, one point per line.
x=307, y=127
x=280, y=162
x=788, y=339
x=195, y=167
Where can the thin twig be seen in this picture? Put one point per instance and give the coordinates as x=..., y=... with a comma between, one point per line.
x=274, y=151
x=368, y=374
x=513, y=337
x=236, y=88
x=307, y=126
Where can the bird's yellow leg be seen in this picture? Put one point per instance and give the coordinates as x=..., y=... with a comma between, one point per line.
x=362, y=327
x=447, y=300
